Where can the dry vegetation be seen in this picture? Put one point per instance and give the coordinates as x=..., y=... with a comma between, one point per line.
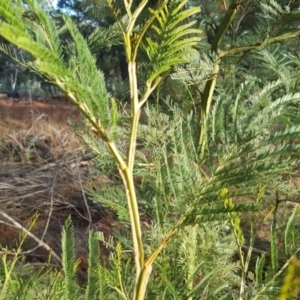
x=44, y=170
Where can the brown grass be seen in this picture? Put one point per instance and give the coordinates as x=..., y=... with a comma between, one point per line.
x=36, y=126
x=43, y=169
x=21, y=115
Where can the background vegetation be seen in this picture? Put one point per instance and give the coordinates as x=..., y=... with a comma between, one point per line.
x=196, y=104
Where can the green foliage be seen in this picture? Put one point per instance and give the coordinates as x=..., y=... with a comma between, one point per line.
x=78, y=77
x=114, y=281
x=291, y=285
x=245, y=128
x=68, y=261
x=269, y=278
x=20, y=280
x=198, y=262
x=291, y=234
x=185, y=224
x=27, y=283
x=168, y=48
x=101, y=38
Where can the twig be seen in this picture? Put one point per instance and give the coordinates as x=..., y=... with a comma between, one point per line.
x=35, y=238
x=51, y=207
x=83, y=196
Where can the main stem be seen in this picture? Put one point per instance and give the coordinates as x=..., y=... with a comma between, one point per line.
x=143, y=269
x=127, y=176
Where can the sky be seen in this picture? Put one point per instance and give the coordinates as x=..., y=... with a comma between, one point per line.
x=53, y=2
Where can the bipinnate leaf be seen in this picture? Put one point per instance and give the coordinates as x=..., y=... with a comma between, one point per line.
x=172, y=39
x=77, y=75
x=68, y=261
x=290, y=232
x=92, y=288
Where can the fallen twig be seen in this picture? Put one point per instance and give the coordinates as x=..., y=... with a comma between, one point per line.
x=35, y=238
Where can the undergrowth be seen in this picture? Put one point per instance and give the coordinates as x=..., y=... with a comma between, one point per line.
x=181, y=182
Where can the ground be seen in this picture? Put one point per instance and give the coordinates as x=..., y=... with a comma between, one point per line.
x=44, y=168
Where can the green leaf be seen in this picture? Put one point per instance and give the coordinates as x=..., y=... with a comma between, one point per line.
x=68, y=260
x=259, y=268
x=167, y=47
x=93, y=283
x=289, y=233
x=89, y=76
x=274, y=250
x=201, y=285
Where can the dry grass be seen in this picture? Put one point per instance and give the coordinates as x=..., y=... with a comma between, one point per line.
x=22, y=114
x=43, y=170
x=35, y=126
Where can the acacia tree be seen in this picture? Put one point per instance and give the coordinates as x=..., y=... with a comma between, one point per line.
x=235, y=31
x=85, y=85
x=189, y=189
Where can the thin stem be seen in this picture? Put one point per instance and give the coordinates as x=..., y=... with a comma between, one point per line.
x=245, y=263
x=267, y=285
x=134, y=16
x=8, y=269
x=205, y=106
x=210, y=86
x=233, y=51
x=276, y=208
x=135, y=113
x=28, y=233
x=147, y=268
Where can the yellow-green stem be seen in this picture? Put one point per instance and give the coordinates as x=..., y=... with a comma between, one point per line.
x=127, y=176
x=147, y=268
x=209, y=89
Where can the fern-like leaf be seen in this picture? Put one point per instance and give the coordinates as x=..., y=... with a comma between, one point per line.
x=78, y=77
x=93, y=268
x=259, y=268
x=167, y=47
x=274, y=250
x=290, y=234
x=68, y=260
x=104, y=37
x=89, y=76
